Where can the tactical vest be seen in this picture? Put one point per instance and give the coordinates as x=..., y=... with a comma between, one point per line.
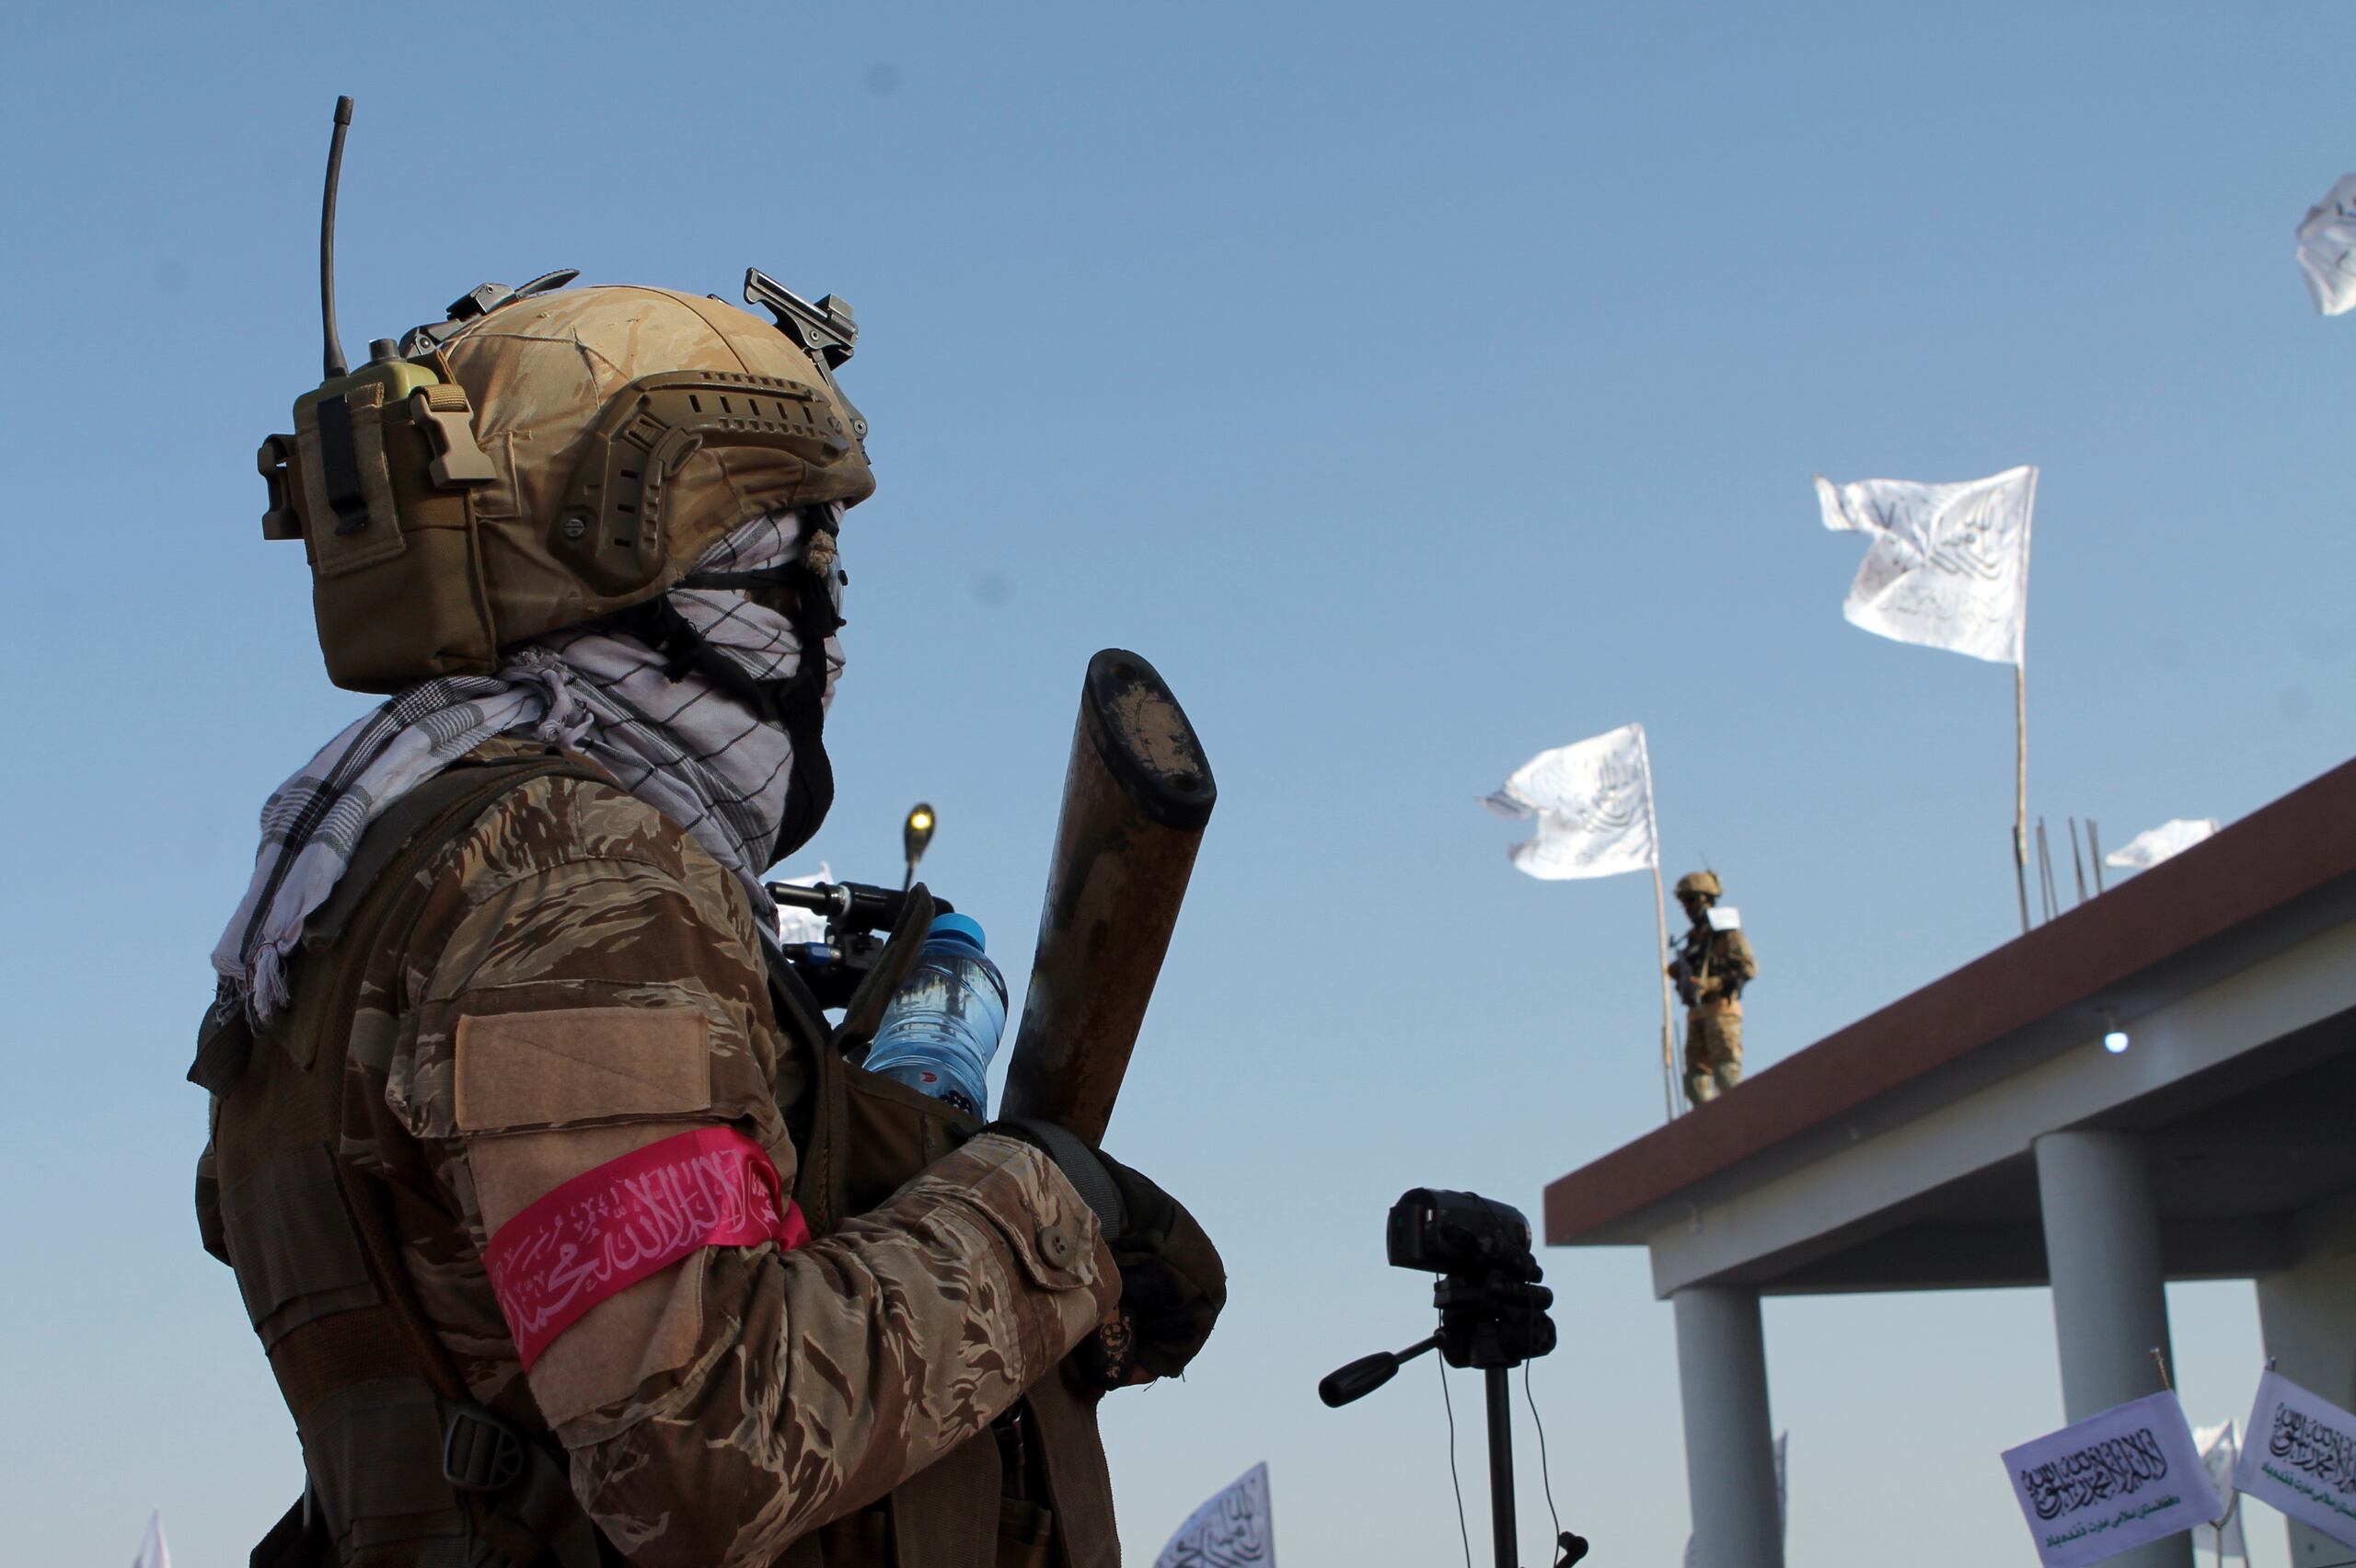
x=403, y=1468
x=1700, y=951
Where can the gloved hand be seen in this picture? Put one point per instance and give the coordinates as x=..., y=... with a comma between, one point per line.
x=1172, y=1280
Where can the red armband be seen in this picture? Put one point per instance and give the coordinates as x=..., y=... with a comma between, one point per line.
x=605, y=1230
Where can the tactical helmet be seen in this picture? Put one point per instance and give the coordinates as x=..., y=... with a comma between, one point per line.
x=1703, y=883
x=629, y=429
x=546, y=458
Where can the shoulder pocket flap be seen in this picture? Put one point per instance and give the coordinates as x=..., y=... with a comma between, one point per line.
x=550, y=1067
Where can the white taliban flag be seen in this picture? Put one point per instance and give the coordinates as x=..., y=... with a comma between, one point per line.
x=2327, y=249
x=2164, y=842
x=152, y=1552
x=1594, y=806
x=2220, y=1452
x=1234, y=1529
x=2301, y=1458
x=1948, y=565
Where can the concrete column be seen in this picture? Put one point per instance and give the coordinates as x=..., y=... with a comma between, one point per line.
x=1730, y=1438
x=2305, y=1312
x=2110, y=1303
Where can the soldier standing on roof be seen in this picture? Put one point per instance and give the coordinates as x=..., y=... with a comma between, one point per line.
x=1712, y=966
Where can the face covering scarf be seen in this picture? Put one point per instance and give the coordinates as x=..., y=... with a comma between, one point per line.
x=680, y=739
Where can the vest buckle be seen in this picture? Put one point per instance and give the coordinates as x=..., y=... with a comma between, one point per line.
x=480, y=1452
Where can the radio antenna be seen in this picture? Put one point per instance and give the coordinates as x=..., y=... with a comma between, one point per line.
x=335, y=365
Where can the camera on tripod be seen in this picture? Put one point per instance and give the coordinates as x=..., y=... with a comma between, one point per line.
x=1492, y=1316
x=1438, y=1232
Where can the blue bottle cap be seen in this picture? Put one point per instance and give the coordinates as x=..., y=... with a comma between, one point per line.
x=962, y=927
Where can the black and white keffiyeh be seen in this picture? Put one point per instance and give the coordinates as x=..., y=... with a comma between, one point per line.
x=670, y=735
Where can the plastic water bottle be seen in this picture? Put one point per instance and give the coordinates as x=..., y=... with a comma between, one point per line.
x=941, y=1027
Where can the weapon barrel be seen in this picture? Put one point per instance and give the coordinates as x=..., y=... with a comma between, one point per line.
x=1137, y=796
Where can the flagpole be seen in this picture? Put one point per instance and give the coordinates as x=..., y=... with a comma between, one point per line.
x=1668, y=1013
x=2020, y=789
x=2020, y=718
x=1660, y=914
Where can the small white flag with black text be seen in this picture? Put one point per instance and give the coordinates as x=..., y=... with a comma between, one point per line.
x=2299, y=1457
x=1234, y=1529
x=2115, y=1479
x=1948, y=565
x=1594, y=805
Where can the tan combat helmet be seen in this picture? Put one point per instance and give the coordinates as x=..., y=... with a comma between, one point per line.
x=551, y=458
x=1701, y=883
x=630, y=429
x=541, y=458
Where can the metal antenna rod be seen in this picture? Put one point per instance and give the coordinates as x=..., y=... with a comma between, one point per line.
x=335, y=365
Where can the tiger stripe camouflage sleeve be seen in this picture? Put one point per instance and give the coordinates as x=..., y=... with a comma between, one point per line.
x=593, y=986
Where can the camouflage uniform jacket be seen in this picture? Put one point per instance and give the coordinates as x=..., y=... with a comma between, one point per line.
x=574, y=979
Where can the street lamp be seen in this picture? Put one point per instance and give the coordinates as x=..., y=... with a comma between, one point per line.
x=914, y=834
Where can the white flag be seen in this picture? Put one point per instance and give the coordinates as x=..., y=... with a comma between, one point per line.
x=153, y=1552
x=2171, y=838
x=2113, y=1481
x=1234, y=1529
x=803, y=925
x=1594, y=806
x=2301, y=1457
x=1948, y=565
x=2220, y=1452
x=2327, y=249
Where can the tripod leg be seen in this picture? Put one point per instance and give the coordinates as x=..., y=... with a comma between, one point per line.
x=1501, y=1464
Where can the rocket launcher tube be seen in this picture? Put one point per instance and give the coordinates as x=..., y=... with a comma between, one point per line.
x=1137, y=794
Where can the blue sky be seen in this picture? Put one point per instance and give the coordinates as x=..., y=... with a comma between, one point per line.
x=1418, y=390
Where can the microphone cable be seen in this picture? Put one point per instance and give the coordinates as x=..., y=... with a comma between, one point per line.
x=1454, y=1479
x=1545, y=1468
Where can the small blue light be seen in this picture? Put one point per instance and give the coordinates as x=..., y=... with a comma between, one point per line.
x=2114, y=1042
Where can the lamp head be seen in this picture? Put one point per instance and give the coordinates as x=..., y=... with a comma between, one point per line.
x=917, y=832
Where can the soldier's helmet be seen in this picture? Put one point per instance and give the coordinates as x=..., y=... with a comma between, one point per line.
x=629, y=429
x=1702, y=883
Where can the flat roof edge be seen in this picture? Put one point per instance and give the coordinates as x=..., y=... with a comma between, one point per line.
x=2286, y=849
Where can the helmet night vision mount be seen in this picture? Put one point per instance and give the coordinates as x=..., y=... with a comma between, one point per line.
x=471, y=485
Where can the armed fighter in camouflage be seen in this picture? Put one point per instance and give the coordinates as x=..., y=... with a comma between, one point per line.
x=1713, y=962
x=573, y=1230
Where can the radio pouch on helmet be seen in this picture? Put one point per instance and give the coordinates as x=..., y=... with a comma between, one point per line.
x=378, y=482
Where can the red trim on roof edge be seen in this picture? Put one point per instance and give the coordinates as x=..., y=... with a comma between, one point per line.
x=2285, y=849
